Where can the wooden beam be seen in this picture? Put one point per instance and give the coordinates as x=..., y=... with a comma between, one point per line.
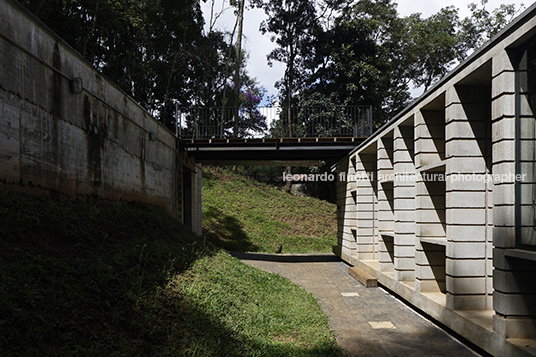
x=363, y=277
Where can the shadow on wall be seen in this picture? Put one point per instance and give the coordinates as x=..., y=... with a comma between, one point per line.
x=226, y=231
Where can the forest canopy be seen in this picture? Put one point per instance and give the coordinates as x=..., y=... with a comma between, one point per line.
x=336, y=52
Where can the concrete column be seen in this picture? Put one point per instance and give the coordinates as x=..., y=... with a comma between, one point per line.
x=404, y=202
x=341, y=199
x=468, y=197
x=430, y=199
x=197, y=201
x=366, y=209
x=385, y=203
x=514, y=297
x=346, y=209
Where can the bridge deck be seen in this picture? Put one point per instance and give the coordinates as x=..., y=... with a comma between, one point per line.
x=270, y=151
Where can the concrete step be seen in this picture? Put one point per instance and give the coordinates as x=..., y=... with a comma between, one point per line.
x=363, y=277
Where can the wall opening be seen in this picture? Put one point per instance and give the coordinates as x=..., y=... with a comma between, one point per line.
x=187, y=197
x=526, y=147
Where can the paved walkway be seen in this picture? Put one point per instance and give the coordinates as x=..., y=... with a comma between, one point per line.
x=368, y=321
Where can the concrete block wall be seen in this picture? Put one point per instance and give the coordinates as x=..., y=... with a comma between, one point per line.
x=469, y=194
x=197, y=209
x=346, y=209
x=430, y=134
x=385, y=190
x=430, y=267
x=97, y=143
x=526, y=145
x=367, y=206
x=404, y=201
x=463, y=243
x=341, y=199
x=513, y=118
x=430, y=197
x=385, y=183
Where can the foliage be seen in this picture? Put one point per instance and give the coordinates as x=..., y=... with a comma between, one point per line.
x=336, y=51
x=250, y=121
x=157, y=52
x=356, y=61
x=220, y=121
x=367, y=54
x=80, y=279
x=318, y=115
x=243, y=214
x=260, y=314
x=482, y=25
x=435, y=44
x=293, y=24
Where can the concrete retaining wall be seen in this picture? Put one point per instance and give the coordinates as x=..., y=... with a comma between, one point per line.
x=96, y=142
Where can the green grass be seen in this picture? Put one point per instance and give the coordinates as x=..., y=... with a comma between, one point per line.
x=256, y=313
x=245, y=215
x=81, y=279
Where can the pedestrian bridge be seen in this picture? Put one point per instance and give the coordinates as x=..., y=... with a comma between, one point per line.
x=322, y=134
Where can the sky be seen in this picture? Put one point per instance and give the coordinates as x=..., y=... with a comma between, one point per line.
x=258, y=45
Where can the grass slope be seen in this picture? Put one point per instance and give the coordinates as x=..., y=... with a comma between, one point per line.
x=245, y=215
x=128, y=280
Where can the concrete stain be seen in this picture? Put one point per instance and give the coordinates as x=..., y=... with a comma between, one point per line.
x=57, y=83
x=65, y=144
x=142, y=164
x=96, y=135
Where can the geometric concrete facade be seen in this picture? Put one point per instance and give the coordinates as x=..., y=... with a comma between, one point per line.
x=440, y=203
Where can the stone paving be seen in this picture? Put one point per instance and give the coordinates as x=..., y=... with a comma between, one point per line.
x=368, y=321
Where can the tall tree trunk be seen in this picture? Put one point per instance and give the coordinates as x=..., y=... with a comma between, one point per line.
x=238, y=60
x=288, y=184
x=290, y=78
x=90, y=33
x=224, y=97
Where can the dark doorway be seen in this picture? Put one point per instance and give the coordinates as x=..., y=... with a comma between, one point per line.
x=187, y=197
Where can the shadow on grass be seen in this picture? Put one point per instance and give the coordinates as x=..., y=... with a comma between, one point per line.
x=91, y=280
x=76, y=279
x=226, y=231
x=209, y=335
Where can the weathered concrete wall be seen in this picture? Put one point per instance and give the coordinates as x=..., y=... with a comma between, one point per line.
x=98, y=143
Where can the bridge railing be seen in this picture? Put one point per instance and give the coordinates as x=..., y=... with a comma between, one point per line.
x=262, y=122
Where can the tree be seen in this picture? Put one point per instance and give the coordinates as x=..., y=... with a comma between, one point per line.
x=361, y=60
x=370, y=55
x=293, y=24
x=155, y=51
x=240, y=21
x=482, y=25
x=443, y=40
x=210, y=122
x=435, y=45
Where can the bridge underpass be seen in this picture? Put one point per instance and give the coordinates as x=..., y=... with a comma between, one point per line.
x=269, y=151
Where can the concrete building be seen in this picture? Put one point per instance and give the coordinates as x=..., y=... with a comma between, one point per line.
x=439, y=204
